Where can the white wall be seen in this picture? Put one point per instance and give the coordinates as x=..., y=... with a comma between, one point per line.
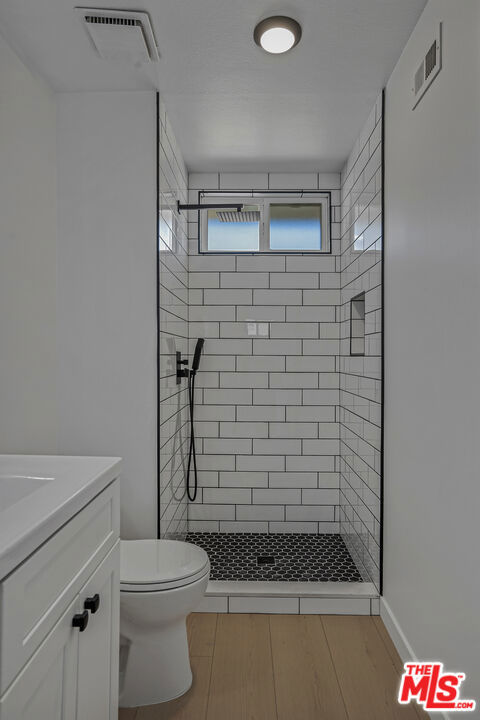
x=432, y=493
x=27, y=259
x=106, y=305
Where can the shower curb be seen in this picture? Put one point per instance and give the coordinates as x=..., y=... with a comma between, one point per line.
x=317, y=598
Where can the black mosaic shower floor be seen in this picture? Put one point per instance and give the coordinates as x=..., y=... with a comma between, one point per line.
x=297, y=557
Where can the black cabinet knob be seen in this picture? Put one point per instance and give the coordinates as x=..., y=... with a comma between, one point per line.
x=80, y=621
x=92, y=603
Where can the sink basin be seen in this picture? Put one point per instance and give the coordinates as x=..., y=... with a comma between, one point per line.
x=39, y=494
x=15, y=487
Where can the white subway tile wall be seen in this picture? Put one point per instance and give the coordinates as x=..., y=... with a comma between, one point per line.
x=361, y=377
x=173, y=331
x=268, y=387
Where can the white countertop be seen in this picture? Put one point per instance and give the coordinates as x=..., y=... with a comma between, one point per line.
x=72, y=482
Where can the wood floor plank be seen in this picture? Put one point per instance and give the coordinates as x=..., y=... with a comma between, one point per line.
x=367, y=676
x=127, y=713
x=395, y=657
x=260, y=667
x=387, y=641
x=201, y=628
x=192, y=705
x=306, y=686
x=242, y=686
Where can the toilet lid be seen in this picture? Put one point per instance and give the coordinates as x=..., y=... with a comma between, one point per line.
x=149, y=565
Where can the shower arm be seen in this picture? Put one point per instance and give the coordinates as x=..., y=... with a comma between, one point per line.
x=209, y=206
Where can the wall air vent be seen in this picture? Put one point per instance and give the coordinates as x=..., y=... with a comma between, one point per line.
x=120, y=34
x=419, y=78
x=428, y=69
x=430, y=60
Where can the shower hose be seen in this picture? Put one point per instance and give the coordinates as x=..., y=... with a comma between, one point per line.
x=192, y=456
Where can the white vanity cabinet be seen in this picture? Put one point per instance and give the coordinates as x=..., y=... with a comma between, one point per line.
x=59, y=621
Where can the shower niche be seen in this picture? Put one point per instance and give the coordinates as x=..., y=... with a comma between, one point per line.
x=357, y=325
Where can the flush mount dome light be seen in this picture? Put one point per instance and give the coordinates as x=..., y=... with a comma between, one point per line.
x=277, y=34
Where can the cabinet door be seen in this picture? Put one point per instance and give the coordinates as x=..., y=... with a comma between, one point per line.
x=37, y=593
x=98, y=646
x=46, y=687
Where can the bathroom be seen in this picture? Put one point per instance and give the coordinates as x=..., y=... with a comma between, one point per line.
x=332, y=493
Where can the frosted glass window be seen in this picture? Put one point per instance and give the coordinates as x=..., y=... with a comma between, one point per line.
x=296, y=226
x=165, y=232
x=232, y=231
x=291, y=222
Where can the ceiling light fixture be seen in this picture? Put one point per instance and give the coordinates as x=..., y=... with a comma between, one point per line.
x=277, y=34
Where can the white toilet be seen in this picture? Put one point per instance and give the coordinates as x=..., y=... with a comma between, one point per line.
x=161, y=582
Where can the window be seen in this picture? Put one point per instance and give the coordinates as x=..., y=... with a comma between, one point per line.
x=268, y=222
x=167, y=223
x=165, y=231
x=232, y=231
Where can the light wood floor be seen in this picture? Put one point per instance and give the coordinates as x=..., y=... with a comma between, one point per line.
x=287, y=667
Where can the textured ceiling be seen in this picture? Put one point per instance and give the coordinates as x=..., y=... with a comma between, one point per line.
x=232, y=106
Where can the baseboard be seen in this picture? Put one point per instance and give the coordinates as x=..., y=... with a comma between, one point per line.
x=399, y=638
x=402, y=644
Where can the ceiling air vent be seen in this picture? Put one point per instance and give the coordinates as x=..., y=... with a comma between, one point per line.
x=428, y=69
x=120, y=34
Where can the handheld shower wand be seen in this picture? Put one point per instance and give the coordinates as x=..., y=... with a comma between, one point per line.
x=197, y=354
x=192, y=456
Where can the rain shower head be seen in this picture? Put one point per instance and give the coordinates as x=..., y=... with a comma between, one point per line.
x=241, y=216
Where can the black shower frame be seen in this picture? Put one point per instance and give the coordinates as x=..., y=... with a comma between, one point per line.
x=157, y=295
x=382, y=359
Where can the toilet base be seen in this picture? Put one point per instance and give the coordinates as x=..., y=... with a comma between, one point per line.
x=157, y=669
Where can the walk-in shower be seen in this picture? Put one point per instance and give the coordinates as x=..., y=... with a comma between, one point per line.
x=288, y=398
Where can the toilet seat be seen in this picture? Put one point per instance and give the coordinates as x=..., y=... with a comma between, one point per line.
x=154, y=565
